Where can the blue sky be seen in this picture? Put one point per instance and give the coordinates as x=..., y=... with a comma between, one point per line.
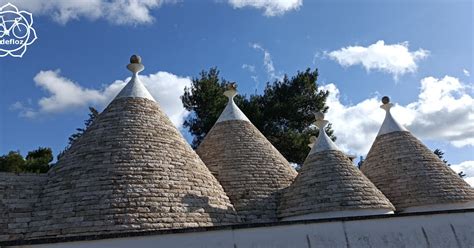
x=418, y=52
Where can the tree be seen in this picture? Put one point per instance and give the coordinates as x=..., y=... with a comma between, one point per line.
x=205, y=98
x=93, y=114
x=80, y=131
x=287, y=113
x=361, y=162
x=440, y=154
x=284, y=113
x=12, y=162
x=37, y=161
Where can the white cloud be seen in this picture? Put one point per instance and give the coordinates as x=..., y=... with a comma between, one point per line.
x=466, y=73
x=270, y=7
x=467, y=167
x=114, y=11
x=442, y=112
x=130, y=11
x=254, y=77
x=65, y=95
x=395, y=59
x=250, y=68
x=355, y=126
x=267, y=62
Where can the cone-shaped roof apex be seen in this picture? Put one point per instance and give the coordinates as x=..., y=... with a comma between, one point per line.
x=410, y=174
x=135, y=88
x=329, y=185
x=323, y=142
x=131, y=161
x=247, y=165
x=389, y=123
x=232, y=111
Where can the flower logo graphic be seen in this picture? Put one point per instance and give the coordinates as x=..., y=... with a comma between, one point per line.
x=16, y=31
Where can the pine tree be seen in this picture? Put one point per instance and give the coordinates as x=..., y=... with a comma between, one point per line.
x=440, y=155
x=93, y=114
x=284, y=113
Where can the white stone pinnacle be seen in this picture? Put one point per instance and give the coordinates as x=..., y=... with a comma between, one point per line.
x=323, y=142
x=231, y=111
x=135, y=88
x=389, y=124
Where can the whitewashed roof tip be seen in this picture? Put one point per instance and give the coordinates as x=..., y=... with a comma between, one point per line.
x=323, y=142
x=389, y=124
x=135, y=88
x=231, y=111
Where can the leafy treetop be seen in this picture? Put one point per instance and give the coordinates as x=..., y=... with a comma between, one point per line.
x=284, y=113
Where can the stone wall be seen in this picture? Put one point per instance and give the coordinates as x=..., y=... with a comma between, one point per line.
x=433, y=230
x=18, y=194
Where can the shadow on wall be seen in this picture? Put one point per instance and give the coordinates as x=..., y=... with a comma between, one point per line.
x=218, y=216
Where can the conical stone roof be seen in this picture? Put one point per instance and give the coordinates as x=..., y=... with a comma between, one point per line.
x=247, y=165
x=329, y=185
x=410, y=174
x=130, y=171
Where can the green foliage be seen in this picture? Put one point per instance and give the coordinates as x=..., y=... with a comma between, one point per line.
x=205, y=98
x=37, y=161
x=12, y=162
x=93, y=114
x=80, y=131
x=288, y=108
x=440, y=154
x=361, y=162
x=284, y=113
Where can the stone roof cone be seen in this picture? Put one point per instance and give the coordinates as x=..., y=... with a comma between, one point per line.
x=130, y=171
x=410, y=174
x=247, y=165
x=329, y=185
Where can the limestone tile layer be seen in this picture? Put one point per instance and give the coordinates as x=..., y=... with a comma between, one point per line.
x=249, y=168
x=18, y=195
x=131, y=170
x=328, y=181
x=410, y=174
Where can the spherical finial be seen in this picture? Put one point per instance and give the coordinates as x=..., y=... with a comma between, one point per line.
x=319, y=116
x=232, y=86
x=135, y=65
x=385, y=100
x=231, y=90
x=135, y=59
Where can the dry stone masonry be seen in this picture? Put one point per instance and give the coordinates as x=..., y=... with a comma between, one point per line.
x=247, y=165
x=328, y=182
x=18, y=195
x=132, y=173
x=410, y=174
